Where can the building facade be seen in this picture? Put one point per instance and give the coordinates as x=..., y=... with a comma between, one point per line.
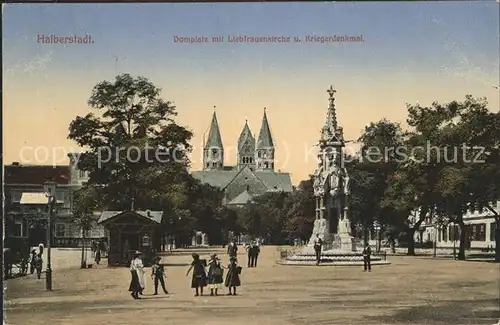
x=26, y=210
x=480, y=231
x=254, y=173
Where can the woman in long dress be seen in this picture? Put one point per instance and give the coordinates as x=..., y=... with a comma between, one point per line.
x=199, y=278
x=215, y=275
x=233, y=276
x=137, y=272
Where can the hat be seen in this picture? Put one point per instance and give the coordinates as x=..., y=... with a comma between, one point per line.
x=195, y=255
x=213, y=255
x=137, y=253
x=157, y=258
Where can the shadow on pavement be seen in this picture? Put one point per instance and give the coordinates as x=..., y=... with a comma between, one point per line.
x=452, y=312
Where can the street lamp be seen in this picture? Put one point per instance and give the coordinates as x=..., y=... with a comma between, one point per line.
x=50, y=192
x=376, y=226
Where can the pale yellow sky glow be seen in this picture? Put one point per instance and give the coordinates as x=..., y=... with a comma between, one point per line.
x=38, y=108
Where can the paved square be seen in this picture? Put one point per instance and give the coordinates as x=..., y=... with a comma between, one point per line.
x=412, y=290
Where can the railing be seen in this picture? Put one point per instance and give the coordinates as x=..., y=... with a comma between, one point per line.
x=382, y=255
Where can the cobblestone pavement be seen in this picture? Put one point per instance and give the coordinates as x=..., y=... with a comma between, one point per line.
x=411, y=290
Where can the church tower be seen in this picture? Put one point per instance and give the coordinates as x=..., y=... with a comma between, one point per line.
x=264, y=153
x=246, y=148
x=213, y=151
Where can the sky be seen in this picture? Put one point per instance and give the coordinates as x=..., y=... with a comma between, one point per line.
x=413, y=52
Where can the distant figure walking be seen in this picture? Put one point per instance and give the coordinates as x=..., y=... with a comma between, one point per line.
x=233, y=276
x=32, y=261
x=97, y=257
x=38, y=265
x=215, y=275
x=318, y=245
x=137, y=276
x=232, y=249
x=367, y=252
x=158, y=274
x=255, y=253
x=199, y=277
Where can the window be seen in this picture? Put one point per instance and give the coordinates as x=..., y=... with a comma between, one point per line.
x=81, y=174
x=214, y=165
x=259, y=154
x=454, y=233
x=266, y=165
x=215, y=152
x=60, y=230
x=18, y=229
x=478, y=232
x=60, y=196
x=208, y=165
x=16, y=196
x=493, y=226
x=251, y=160
x=445, y=233
x=439, y=234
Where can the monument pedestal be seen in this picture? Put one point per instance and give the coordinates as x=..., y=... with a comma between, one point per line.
x=338, y=249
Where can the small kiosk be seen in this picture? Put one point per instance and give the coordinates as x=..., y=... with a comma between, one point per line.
x=130, y=231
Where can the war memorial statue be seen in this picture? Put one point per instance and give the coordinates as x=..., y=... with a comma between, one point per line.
x=331, y=191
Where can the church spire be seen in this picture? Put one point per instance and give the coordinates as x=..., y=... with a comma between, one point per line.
x=265, y=139
x=246, y=148
x=213, y=152
x=331, y=131
x=265, y=147
x=214, y=137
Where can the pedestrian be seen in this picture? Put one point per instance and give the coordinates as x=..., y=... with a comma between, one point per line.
x=249, y=250
x=256, y=252
x=233, y=276
x=32, y=260
x=97, y=256
x=199, y=277
x=215, y=275
x=367, y=252
x=137, y=276
x=38, y=265
x=318, y=244
x=158, y=274
x=232, y=249
x=40, y=249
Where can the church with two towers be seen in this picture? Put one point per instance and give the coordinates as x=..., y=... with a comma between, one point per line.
x=254, y=173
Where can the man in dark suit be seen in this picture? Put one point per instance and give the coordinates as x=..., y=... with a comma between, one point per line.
x=367, y=252
x=318, y=244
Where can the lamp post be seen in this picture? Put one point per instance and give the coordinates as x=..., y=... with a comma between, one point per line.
x=376, y=226
x=454, y=243
x=50, y=192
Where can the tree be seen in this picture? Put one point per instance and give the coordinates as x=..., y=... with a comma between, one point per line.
x=370, y=172
x=300, y=211
x=84, y=203
x=134, y=148
x=441, y=179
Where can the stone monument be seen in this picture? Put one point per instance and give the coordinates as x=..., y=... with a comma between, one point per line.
x=331, y=191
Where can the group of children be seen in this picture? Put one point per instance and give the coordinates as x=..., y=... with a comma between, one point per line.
x=204, y=274
x=214, y=278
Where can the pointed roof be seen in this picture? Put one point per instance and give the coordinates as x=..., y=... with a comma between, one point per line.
x=242, y=199
x=265, y=138
x=244, y=135
x=331, y=131
x=214, y=137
